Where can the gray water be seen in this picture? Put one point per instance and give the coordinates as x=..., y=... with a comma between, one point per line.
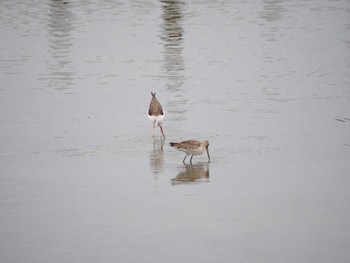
x=266, y=82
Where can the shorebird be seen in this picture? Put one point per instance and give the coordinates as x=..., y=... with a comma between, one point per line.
x=156, y=114
x=192, y=147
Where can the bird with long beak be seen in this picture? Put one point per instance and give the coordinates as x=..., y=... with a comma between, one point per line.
x=156, y=114
x=192, y=147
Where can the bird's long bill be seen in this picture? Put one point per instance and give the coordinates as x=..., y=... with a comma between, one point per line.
x=208, y=155
x=161, y=130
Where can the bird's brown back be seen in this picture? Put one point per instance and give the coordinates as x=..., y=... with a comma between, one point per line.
x=190, y=144
x=155, y=108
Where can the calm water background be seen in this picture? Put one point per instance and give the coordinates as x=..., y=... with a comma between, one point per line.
x=266, y=82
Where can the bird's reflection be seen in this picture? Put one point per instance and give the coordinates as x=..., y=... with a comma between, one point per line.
x=172, y=36
x=156, y=157
x=192, y=174
x=272, y=10
x=60, y=26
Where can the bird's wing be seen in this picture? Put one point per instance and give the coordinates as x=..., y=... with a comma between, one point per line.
x=155, y=108
x=190, y=144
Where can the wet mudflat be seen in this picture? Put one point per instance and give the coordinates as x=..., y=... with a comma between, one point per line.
x=82, y=179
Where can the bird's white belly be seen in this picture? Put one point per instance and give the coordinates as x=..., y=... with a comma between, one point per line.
x=197, y=151
x=156, y=118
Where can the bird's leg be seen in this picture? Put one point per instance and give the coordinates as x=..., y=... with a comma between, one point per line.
x=161, y=145
x=161, y=131
x=184, y=159
x=154, y=126
x=191, y=159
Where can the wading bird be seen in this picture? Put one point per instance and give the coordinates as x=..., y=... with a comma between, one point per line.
x=192, y=147
x=156, y=114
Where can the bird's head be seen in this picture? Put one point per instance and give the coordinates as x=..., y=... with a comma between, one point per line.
x=159, y=124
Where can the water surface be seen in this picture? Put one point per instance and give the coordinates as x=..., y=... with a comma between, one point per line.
x=266, y=82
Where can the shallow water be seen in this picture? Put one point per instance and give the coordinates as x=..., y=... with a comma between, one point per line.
x=266, y=82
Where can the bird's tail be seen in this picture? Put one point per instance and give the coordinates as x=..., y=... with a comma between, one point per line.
x=173, y=144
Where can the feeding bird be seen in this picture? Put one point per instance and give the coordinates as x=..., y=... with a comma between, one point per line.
x=192, y=147
x=156, y=114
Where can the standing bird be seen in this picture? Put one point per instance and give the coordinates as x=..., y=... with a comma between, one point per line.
x=156, y=114
x=192, y=147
